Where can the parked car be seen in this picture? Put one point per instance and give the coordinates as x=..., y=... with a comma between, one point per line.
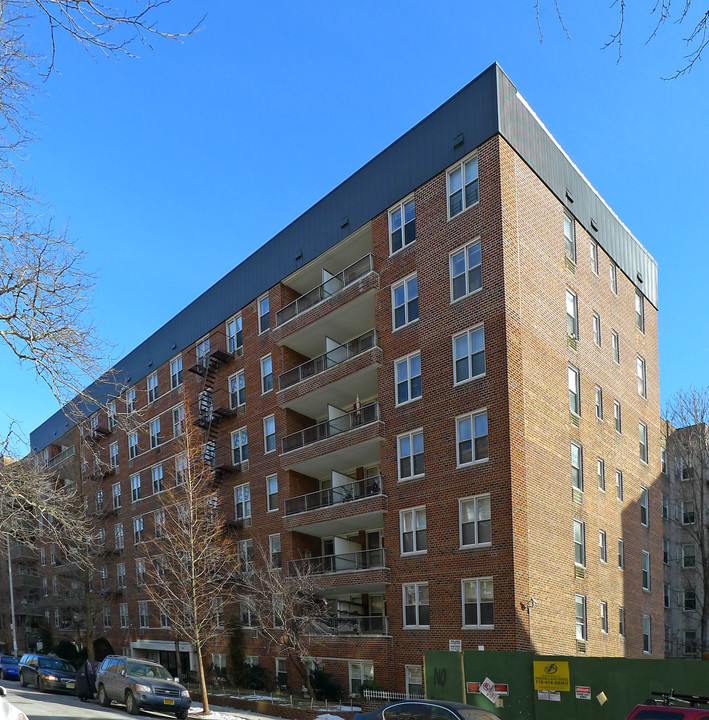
x=47, y=672
x=427, y=710
x=8, y=711
x=140, y=684
x=8, y=667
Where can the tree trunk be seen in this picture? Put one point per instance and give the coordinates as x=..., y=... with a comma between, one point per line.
x=88, y=618
x=302, y=671
x=202, y=681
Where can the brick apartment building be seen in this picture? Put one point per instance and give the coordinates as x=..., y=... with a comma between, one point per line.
x=440, y=385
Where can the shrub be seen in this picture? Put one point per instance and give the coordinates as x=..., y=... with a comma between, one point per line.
x=325, y=686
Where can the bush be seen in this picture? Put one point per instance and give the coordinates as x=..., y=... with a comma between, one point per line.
x=369, y=685
x=257, y=677
x=237, y=653
x=325, y=687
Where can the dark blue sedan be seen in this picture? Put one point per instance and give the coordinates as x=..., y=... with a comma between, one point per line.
x=8, y=667
x=427, y=710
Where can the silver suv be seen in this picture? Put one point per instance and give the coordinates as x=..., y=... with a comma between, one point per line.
x=140, y=684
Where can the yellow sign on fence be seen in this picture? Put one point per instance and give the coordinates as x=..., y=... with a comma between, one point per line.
x=551, y=675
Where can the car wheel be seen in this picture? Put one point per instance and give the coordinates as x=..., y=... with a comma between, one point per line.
x=23, y=683
x=181, y=714
x=102, y=697
x=131, y=704
x=40, y=684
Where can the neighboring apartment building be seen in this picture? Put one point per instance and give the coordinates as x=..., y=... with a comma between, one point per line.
x=439, y=385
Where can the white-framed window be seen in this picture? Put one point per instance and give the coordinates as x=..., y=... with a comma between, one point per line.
x=402, y=225
x=106, y=617
x=135, y=490
x=621, y=621
x=666, y=595
x=619, y=484
x=152, y=387
x=176, y=372
x=642, y=376
x=118, y=536
x=574, y=391
x=274, y=550
x=143, y=616
x=478, y=602
x=614, y=278
x=466, y=270
x=411, y=455
x=239, y=446
x=130, y=401
x=209, y=453
x=577, y=466
x=138, y=529
x=639, y=311
x=43, y=558
x=581, y=618
x=245, y=552
x=414, y=681
x=475, y=521
x=617, y=417
x=594, y=257
x=164, y=619
x=242, y=501
x=202, y=350
x=123, y=615
x=264, y=314
x=45, y=587
x=234, y=334
x=140, y=571
x=642, y=441
x=579, y=543
x=604, y=617
x=408, y=378
x=416, y=608
x=218, y=610
x=111, y=415
x=603, y=546
x=405, y=301
x=469, y=355
x=57, y=618
x=572, y=315
x=178, y=420
x=689, y=555
x=689, y=514
x=462, y=182
x=601, y=473
x=599, y=402
x=615, y=342
x=646, y=569
x=647, y=634
x=665, y=507
x=360, y=672
x=99, y=500
x=269, y=434
x=569, y=238
x=412, y=524
x=133, y=448
x=597, y=329
x=121, y=575
x=181, y=468
x=621, y=554
x=644, y=506
x=158, y=483
x=272, y=492
x=665, y=551
x=690, y=642
x=471, y=438
x=266, y=374
x=155, y=438
x=113, y=454
x=237, y=390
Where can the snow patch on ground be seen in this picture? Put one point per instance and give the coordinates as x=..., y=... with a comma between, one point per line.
x=328, y=716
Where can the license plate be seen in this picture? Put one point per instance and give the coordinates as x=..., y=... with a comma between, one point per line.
x=70, y=686
x=168, y=701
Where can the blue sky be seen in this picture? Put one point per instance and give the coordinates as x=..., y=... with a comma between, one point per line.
x=172, y=168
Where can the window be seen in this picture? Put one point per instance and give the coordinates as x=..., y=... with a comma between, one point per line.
x=43, y=558
x=663, y=461
x=581, y=621
x=130, y=401
x=646, y=570
x=617, y=417
x=597, y=329
x=619, y=484
x=466, y=270
x=405, y=302
x=272, y=492
x=111, y=415
x=178, y=420
x=642, y=378
x=463, y=186
x=133, y=445
x=360, y=672
x=689, y=555
x=577, y=466
x=113, y=455
x=107, y=617
x=642, y=439
x=242, y=501
x=209, y=453
x=416, y=610
x=176, y=372
x=666, y=595
x=604, y=617
x=615, y=342
x=234, y=334
x=121, y=575
x=138, y=528
x=264, y=314
x=469, y=355
x=155, y=438
x=475, y=522
x=477, y=602
x=237, y=390
x=688, y=513
x=413, y=530
x=639, y=311
x=118, y=536
x=572, y=315
x=665, y=507
x=574, y=391
x=690, y=642
x=140, y=571
x=621, y=554
x=411, y=458
x=274, y=549
x=414, y=681
x=644, y=510
x=408, y=378
x=569, y=238
x=218, y=605
x=579, y=543
x=245, y=552
x=601, y=471
x=135, y=492
x=152, y=386
x=603, y=545
x=647, y=646
x=239, y=446
x=164, y=619
x=665, y=551
x=594, y=257
x=143, y=619
x=158, y=484
x=614, y=278
x=471, y=438
x=402, y=225
x=123, y=615
x=201, y=351
x=621, y=621
x=266, y=374
x=269, y=434
x=180, y=469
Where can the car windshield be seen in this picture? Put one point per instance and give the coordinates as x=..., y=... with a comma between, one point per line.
x=56, y=664
x=148, y=671
x=9, y=660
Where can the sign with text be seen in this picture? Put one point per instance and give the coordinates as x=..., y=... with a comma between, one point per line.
x=583, y=692
x=455, y=645
x=487, y=688
x=552, y=675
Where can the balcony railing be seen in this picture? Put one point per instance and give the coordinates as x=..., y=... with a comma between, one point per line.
x=323, y=362
x=330, y=287
x=358, y=625
x=58, y=459
x=347, y=562
x=366, y=415
x=369, y=487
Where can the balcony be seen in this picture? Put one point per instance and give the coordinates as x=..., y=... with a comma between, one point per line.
x=358, y=625
x=24, y=581
x=23, y=552
x=218, y=350
x=356, y=571
x=60, y=458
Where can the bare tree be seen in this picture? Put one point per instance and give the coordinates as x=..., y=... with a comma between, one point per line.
x=688, y=473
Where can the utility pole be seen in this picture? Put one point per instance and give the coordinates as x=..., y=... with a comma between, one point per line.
x=12, y=596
